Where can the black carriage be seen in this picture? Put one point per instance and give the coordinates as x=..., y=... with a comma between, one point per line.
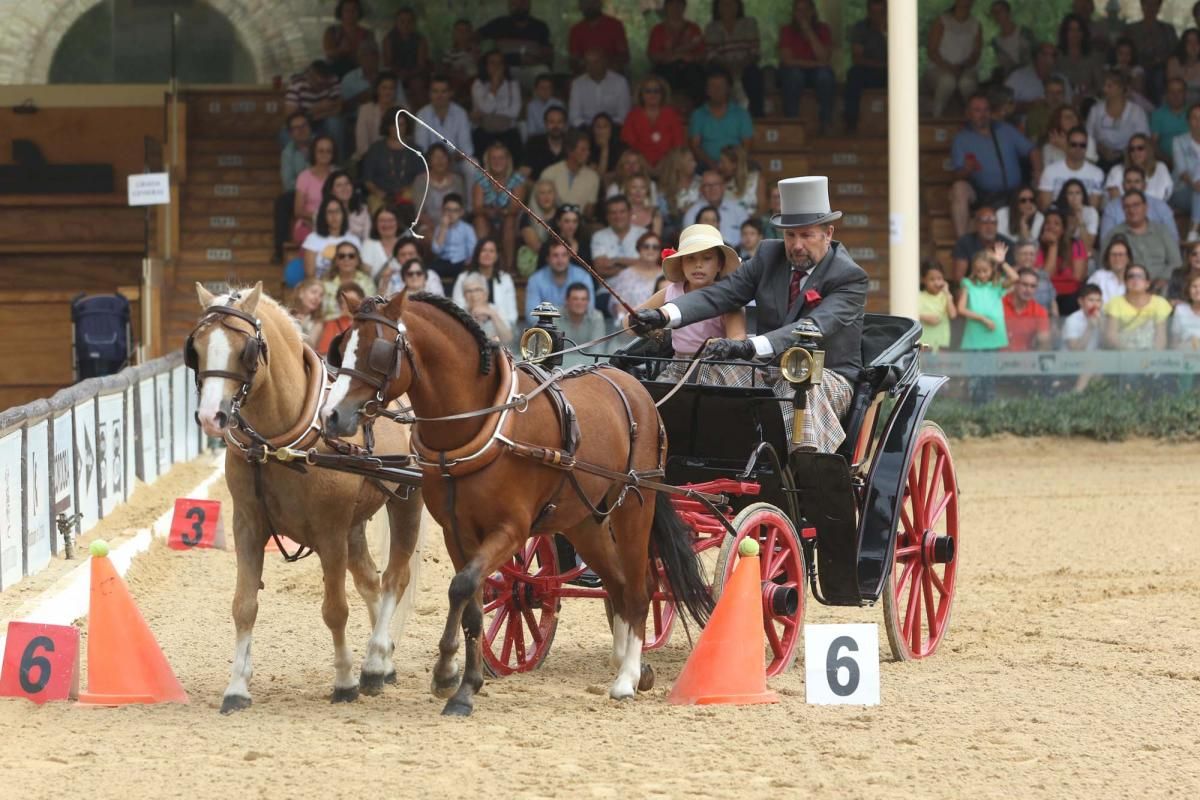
x=876, y=520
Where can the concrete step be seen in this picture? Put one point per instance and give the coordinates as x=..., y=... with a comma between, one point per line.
x=232, y=190
x=218, y=206
x=223, y=257
x=236, y=239
x=235, y=160
x=777, y=135
x=777, y=165
x=231, y=223
x=257, y=176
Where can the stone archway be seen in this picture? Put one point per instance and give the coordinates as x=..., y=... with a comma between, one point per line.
x=268, y=29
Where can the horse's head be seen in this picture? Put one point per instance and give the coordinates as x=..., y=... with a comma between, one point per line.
x=224, y=350
x=369, y=358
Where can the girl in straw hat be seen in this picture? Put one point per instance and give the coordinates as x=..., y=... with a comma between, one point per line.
x=701, y=260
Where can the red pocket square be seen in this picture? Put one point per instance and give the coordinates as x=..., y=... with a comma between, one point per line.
x=812, y=297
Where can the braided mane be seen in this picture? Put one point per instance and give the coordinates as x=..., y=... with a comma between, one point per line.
x=444, y=304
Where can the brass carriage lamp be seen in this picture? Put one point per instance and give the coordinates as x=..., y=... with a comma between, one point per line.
x=802, y=366
x=541, y=343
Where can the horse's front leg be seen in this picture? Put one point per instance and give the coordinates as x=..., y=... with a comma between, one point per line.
x=335, y=610
x=249, y=543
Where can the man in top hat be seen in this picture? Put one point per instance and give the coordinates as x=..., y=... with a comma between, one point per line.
x=807, y=274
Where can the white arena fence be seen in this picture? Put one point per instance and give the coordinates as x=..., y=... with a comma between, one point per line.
x=80, y=451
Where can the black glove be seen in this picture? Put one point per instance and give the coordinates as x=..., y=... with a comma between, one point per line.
x=646, y=320
x=730, y=350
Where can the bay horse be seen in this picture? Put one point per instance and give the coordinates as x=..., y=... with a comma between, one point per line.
x=277, y=397
x=492, y=446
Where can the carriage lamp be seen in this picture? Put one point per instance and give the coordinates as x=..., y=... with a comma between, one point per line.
x=544, y=338
x=802, y=366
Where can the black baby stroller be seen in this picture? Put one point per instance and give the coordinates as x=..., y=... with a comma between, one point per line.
x=101, y=336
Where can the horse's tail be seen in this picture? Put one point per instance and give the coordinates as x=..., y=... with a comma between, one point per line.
x=671, y=543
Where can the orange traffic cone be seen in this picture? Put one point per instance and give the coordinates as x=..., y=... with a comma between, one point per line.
x=727, y=665
x=124, y=662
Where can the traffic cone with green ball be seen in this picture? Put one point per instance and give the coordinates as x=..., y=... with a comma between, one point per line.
x=728, y=663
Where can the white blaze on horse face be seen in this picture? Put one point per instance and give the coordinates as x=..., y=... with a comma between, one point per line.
x=212, y=391
x=341, y=387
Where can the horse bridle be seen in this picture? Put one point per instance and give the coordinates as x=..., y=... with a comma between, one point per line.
x=384, y=360
x=253, y=351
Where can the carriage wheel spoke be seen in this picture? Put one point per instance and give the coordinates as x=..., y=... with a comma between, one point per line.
x=769, y=551
x=912, y=624
x=937, y=582
x=930, y=608
x=506, y=650
x=904, y=518
x=535, y=631
x=518, y=633
x=942, y=505
x=492, y=605
x=773, y=637
x=935, y=482
x=915, y=496
x=908, y=570
x=907, y=551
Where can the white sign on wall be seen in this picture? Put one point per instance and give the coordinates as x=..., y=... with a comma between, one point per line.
x=11, y=512
x=162, y=419
x=179, y=418
x=112, y=452
x=37, y=497
x=147, y=430
x=63, y=481
x=149, y=189
x=87, y=465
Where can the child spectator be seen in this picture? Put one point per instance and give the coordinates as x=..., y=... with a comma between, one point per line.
x=752, y=236
x=981, y=300
x=1185, y=322
x=1136, y=320
x=306, y=308
x=1027, y=323
x=344, y=320
x=453, y=239
x=1081, y=329
x=935, y=307
x=535, y=110
x=653, y=127
x=805, y=51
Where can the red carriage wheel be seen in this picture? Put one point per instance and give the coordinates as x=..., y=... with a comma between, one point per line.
x=781, y=562
x=660, y=620
x=520, y=609
x=919, y=592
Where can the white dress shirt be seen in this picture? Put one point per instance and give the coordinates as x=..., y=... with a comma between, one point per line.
x=731, y=212
x=456, y=127
x=589, y=98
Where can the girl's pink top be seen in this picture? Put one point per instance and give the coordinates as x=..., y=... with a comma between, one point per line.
x=688, y=340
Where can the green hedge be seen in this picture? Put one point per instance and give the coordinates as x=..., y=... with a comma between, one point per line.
x=1105, y=411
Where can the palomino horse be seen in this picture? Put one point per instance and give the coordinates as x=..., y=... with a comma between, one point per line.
x=494, y=443
x=323, y=510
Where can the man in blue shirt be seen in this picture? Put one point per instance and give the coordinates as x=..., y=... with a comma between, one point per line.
x=987, y=158
x=453, y=240
x=1157, y=209
x=1170, y=119
x=550, y=283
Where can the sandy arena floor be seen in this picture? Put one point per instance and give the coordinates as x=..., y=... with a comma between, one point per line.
x=1072, y=669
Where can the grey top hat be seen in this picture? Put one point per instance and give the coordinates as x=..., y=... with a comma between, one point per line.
x=803, y=202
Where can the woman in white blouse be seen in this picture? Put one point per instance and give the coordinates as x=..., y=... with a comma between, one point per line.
x=501, y=291
x=388, y=93
x=1140, y=152
x=495, y=105
x=1113, y=121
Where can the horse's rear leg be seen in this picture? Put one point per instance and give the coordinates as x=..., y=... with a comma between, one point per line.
x=404, y=521
x=594, y=542
x=631, y=526
x=249, y=543
x=335, y=610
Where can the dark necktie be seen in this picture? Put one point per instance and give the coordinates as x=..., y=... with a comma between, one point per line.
x=794, y=286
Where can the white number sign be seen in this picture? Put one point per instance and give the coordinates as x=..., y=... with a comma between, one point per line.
x=841, y=664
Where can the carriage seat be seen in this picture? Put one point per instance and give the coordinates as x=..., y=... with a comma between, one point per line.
x=889, y=347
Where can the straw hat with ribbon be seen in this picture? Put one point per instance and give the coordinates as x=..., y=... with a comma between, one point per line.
x=697, y=239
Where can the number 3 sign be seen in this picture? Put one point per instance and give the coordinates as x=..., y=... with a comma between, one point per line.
x=841, y=664
x=197, y=523
x=41, y=662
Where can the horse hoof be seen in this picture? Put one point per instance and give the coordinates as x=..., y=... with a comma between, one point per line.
x=347, y=694
x=646, y=682
x=234, y=702
x=390, y=678
x=444, y=689
x=457, y=708
x=372, y=684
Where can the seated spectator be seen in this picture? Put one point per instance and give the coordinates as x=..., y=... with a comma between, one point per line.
x=339, y=185
x=643, y=211
x=676, y=51
x=498, y=287
x=1026, y=257
x=1103, y=31
x=1110, y=274
x=1027, y=323
x=449, y=119
x=308, y=300
x=495, y=212
x=310, y=185
x=1074, y=167
x=678, y=183
x=868, y=57
x=981, y=300
x=712, y=193
x=342, y=41
x=1081, y=330
x=1157, y=209
x=348, y=268
x=344, y=320
x=377, y=249
x=631, y=165
x=805, y=53
x=544, y=204
x=774, y=209
x=416, y=279
x=389, y=167
x=577, y=183
x=987, y=158
x=935, y=307
x=597, y=30
x=460, y=62
x=544, y=149
x=1114, y=120
x=1124, y=61
x=653, y=127
x=568, y=224
x=406, y=250
x=370, y=115
x=1013, y=46
x=598, y=90
x=358, y=85
x=1078, y=61
x=1063, y=120
x=615, y=247
x=440, y=182
x=1063, y=258
x=1082, y=220
x=985, y=237
x=1177, y=284
x=954, y=46
x=453, y=241
x=718, y=123
x=606, y=147
x=743, y=184
x=1186, y=194
x=580, y=322
x=752, y=236
x=548, y=284
x=1028, y=83
x=1185, y=322
x=1039, y=113
x=1136, y=320
x=709, y=215
x=1170, y=119
x=731, y=41
x=320, y=246
x=1020, y=219
x=523, y=39
x=485, y=312
x=316, y=93
x=495, y=106
x=1152, y=244
x=636, y=283
x=542, y=100
x=1154, y=41
x=406, y=52
x=1140, y=152
x=294, y=159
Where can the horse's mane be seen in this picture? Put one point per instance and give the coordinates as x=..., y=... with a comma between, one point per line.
x=268, y=307
x=460, y=315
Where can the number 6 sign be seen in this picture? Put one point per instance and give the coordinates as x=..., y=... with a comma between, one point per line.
x=841, y=664
x=196, y=523
x=41, y=662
